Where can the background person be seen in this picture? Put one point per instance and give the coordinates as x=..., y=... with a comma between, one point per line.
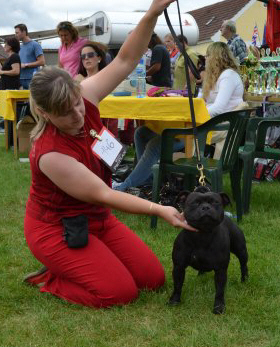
x=222, y=87
x=180, y=71
x=173, y=52
x=10, y=71
x=71, y=44
x=159, y=73
x=69, y=181
x=201, y=70
x=10, y=75
x=92, y=60
x=235, y=42
x=31, y=55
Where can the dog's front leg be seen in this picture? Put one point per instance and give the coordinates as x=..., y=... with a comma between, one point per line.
x=178, y=279
x=220, y=285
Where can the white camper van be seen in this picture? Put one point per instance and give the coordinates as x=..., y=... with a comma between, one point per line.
x=112, y=28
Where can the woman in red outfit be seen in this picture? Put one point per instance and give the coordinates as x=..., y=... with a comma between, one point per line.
x=68, y=181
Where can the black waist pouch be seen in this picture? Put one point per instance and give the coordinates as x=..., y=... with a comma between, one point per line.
x=76, y=231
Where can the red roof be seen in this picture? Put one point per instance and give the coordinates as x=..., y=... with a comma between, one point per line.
x=210, y=18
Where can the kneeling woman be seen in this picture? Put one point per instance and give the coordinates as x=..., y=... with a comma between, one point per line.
x=69, y=181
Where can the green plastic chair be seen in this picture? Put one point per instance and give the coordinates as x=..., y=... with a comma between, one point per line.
x=213, y=169
x=255, y=148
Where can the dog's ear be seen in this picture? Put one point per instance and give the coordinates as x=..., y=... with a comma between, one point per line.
x=225, y=199
x=182, y=197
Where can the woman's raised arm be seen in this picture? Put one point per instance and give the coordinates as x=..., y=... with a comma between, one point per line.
x=100, y=85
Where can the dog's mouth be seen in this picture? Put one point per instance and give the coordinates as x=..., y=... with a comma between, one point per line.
x=205, y=222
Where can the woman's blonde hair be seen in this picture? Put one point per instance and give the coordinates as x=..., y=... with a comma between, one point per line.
x=52, y=90
x=219, y=58
x=169, y=36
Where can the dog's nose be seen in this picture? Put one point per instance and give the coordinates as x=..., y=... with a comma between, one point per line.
x=205, y=207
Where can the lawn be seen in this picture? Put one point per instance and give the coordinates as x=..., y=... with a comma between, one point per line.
x=31, y=319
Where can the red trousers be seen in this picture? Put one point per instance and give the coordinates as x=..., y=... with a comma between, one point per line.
x=110, y=270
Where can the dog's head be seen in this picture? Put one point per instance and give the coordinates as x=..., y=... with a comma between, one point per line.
x=203, y=209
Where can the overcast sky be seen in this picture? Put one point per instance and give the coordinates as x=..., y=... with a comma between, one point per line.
x=45, y=14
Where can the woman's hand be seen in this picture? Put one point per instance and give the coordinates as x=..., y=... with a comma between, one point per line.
x=173, y=217
x=158, y=6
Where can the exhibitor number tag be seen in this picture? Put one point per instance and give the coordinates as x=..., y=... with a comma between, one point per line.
x=108, y=149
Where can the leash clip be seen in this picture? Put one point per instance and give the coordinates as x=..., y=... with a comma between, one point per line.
x=201, y=179
x=93, y=133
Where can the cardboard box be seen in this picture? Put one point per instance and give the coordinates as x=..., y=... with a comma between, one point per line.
x=24, y=128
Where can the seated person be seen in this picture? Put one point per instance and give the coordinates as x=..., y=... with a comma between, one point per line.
x=147, y=138
x=222, y=87
x=147, y=146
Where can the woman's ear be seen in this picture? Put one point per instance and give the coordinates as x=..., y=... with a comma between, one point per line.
x=41, y=113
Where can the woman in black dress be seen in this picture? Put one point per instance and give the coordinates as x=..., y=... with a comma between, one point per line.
x=10, y=71
x=10, y=75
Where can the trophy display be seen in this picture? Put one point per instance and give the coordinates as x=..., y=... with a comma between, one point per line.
x=263, y=74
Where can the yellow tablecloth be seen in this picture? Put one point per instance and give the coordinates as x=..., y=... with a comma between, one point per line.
x=158, y=113
x=6, y=102
x=167, y=110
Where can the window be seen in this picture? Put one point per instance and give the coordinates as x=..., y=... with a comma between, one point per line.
x=99, y=26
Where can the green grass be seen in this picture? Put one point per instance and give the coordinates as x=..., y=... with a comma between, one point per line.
x=31, y=319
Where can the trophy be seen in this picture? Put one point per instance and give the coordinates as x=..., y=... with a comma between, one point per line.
x=272, y=75
x=251, y=80
x=278, y=80
x=260, y=71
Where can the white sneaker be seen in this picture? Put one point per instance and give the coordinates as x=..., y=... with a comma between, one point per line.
x=115, y=185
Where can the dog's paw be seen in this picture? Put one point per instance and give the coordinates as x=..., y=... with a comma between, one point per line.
x=174, y=300
x=219, y=309
x=244, y=277
x=173, y=303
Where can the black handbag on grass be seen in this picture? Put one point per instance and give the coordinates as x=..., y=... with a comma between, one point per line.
x=75, y=231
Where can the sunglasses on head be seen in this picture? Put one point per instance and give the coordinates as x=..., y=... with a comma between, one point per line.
x=88, y=55
x=63, y=26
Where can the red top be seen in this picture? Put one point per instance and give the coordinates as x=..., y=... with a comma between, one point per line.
x=46, y=201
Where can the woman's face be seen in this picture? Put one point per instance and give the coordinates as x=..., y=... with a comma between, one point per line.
x=169, y=44
x=7, y=48
x=65, y=37
x=90, y=58
x=72, y=121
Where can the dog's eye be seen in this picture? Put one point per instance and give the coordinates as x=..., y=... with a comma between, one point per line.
x=195, y=204
x=216, y=203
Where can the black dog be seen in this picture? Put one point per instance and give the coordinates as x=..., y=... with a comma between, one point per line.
x=209, y=248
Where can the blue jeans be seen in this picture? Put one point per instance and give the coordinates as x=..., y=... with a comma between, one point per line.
x=148, y=146
x=25, y=83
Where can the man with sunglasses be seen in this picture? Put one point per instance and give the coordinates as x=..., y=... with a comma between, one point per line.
x=31, y=55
